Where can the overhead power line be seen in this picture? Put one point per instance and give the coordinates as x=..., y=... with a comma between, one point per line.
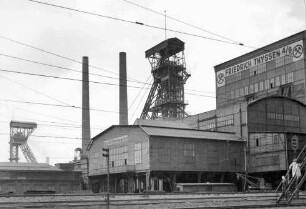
x=57, y=126
x=46, y=136
x=34, y=90
x=139, y=92
x=136, y=99
x=69, y=69
x=145, y=92
x=73, y=124
x=183, y=22
x=62, y=78
x=63, y=68
x=72, y=79
x=57, y=55
x=54, y=105
x=134, y=22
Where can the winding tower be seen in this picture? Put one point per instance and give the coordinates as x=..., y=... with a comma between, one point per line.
x=19, y=134
x=166, y=97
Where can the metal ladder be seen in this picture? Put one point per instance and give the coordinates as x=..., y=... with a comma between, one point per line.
x=292, y=189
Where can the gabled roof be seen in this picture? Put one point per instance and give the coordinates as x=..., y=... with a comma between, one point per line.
x=189, y=133
x=106, y=130
x=169, y=129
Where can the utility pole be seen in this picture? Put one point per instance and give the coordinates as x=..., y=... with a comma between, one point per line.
x=106, y=154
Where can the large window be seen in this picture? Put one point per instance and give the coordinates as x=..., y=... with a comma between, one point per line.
x=118, y=156
x=256, y=87
x=137, y=149
x=207, y=124
x=272, y=84
x=277, y=81
x=290, y=77
x=261, y=86
x=251, y=89
x=225, y=120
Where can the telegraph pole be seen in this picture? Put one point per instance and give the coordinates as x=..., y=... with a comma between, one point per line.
x=106, y=154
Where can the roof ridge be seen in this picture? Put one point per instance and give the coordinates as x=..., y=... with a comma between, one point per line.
x=193, y=129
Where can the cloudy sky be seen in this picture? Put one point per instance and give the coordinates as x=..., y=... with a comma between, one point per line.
x=33, y=36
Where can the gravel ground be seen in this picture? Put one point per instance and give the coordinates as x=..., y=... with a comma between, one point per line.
x=165, y=201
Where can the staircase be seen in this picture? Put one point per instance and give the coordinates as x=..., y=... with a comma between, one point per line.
x=292, y=189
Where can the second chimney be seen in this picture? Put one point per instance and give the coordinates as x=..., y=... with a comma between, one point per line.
x=85, y=106
x=123, y=103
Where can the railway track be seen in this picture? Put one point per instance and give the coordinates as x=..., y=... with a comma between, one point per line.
x=178, y=201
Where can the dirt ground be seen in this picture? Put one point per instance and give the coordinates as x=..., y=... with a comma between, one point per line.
x=177, y=201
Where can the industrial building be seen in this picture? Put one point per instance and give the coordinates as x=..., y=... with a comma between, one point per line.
x=22, y=178
x=157, y=153
x=34, y=177
x=261, y=99
x=148, y=157
x=258, y=126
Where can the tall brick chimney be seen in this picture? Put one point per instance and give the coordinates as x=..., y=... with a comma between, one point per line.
x=123, y=103
x=85, y=105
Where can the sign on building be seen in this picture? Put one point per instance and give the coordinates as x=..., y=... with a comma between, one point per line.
x=295, y=50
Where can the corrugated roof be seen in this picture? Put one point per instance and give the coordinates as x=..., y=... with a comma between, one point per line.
x=189, y=133
x=162, y=123
x=7, y=166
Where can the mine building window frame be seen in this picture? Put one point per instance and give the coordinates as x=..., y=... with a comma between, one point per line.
x=250, y=98
x=257, y=142
x=118, y=155
x=286, y=90
x=275, y=139
x=272, y=83
x=137, y=149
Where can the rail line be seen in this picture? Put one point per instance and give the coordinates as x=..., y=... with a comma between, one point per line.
x=148, y=201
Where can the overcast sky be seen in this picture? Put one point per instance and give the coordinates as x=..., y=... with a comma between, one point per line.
x=70, y=34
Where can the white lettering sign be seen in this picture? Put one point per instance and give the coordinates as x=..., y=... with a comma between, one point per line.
x=116, y=140
x=294, y=50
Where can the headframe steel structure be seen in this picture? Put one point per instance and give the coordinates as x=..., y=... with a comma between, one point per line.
x=19, y=134
x=166, y=97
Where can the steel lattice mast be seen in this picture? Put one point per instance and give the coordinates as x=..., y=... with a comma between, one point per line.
x=166, y=97
x=19, y=134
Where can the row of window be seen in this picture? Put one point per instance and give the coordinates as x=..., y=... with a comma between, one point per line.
x=118, y=157
x=260, y=86
x=277, y=116
x=263, y=139
x=225, y=120
x=258, y=69
x=221, y=122
x=207, y=124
